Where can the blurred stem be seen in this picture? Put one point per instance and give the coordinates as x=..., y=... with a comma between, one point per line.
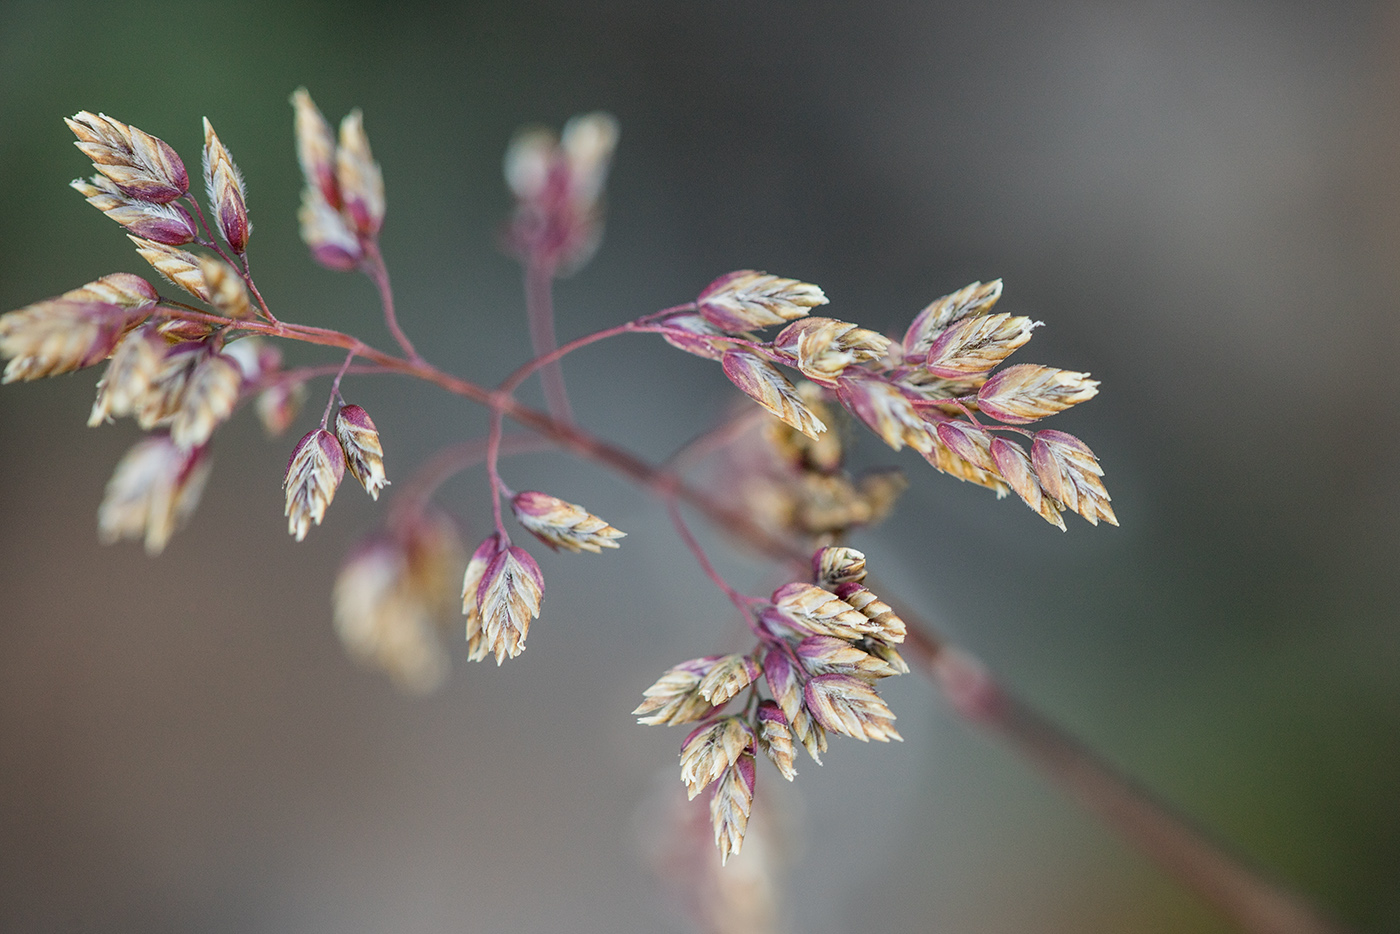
x=1238, y=890
x=539, y=309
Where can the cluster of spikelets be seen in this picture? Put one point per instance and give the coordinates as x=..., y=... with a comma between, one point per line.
x=924, y=391
x=180, y=379
x=822, y=646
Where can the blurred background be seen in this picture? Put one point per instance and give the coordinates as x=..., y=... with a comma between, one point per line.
x=1199, y=199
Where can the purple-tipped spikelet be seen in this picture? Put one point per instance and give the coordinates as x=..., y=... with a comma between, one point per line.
x=675, y=697
x=207, y=401
x=1014, y=465
x=227, y=196
x=712, y=748
x=747, y=300
x=887, y=411
x=316, y=148
x=822, y=348
x=730, y=804
x=164, y=223
x=563, y=525
x=77, y=329
x=975, y=299
x=364, y=455
x=507, y=595
x=1022, y=394
x=849, y=706
x=730, y=675
x=765, y=384
x=314, y=471
x=1069, y=472
x=359, y=177
x=558, y=188
x=775, y=738
x=165, y=393
x=837, y=565
x=152, y=493
x=139, y=164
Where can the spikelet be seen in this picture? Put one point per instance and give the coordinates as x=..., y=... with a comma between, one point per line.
x=1069, y=472
x=208, y=400
x=969, y=442
x=316, y=148
x=471, y=582
x=889, y=627
x=806, y=609
x=822, y=655
x=227, y=293
x=59, y=336
x=824, y=347
x=152, y=493
x=886, y=411
x=976, y=345
x=588, y=142
x=333, y=244
x=314, y=472
x=1021, y=394
x=775, y=738
x=389, y=597
x=730, y=804
x=364, y=455
x=223, y=184
x=747, y=300
x=766, y=385
x=688, y=331
x=164, y=223
x=139, y=164
x=851, y=707
x=508, y=597
x=942, y=458
x=835, y=565
x=784, y=680
x=359, y=177
x=178, y=266
x=675, y=697
x=1015, y=466
x=730, y=675
x=133, y=367
x=810, y=733
x=166, y=390
x=563, y=525
x=711, y=749
x=975, y=299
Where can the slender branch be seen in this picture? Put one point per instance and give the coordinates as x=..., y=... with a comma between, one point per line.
x=539, y=310
x=374, y=267
x=1243, y=893
x=741, y=602
x=335, y=388
x=415, y=492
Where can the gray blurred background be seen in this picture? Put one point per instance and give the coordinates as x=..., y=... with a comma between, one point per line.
x=1199, y=199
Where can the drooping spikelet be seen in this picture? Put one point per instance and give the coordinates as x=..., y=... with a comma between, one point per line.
x=314, y=472
x=563, y=525
x=364, y=455
x=711, y=749
x=730, y=804
x=152, y=493
x=675, y=697
x=508, y=597
x=208, y=400
x=766, y=385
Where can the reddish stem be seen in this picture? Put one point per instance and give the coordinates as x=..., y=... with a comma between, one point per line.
x=539, y=311
x=373, y=266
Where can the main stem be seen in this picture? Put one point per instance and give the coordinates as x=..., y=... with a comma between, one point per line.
x=1237, y=889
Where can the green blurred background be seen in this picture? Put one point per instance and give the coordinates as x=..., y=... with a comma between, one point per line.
x=1199, y=199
